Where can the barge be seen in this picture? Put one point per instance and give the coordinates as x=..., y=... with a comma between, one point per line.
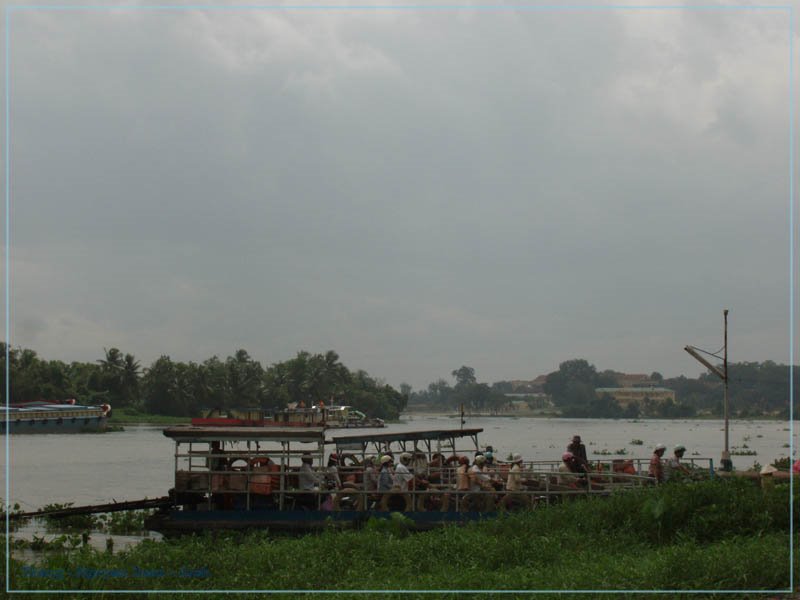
x=48, y=417
x=258, y=477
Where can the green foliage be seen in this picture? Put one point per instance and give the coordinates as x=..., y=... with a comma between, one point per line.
x=714, y=535
x=784, y=463
x=176, y=389
x=468, y=392
x=397, y=525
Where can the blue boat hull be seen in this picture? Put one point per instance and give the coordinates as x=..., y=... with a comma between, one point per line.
x=188, y=521
x=64, y=424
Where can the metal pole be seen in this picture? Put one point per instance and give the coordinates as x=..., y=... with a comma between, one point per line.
x=726, y=463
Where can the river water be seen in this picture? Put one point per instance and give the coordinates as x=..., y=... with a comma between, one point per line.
x=138, y=462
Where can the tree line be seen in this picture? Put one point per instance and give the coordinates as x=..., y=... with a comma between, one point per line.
x=169, y=387
x=754, y=389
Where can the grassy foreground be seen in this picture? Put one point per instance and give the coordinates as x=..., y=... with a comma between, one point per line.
x=714, y=535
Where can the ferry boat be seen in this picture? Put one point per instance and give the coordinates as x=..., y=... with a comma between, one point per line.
x=250, y=477
x=330, y=417
x=54, y=417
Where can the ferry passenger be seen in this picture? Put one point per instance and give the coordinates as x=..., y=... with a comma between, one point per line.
x=402, y=474
x=624, y=467
x=578, y=450
x=513, y=484
x=674, y=465
x=307, y=479
x=264, y=480
x=332, y=472
x=573, y=464
x=462, y=474
x=370, y=475
x=478, y=479
x=656, y=467
x=419, y=464
x=216, y=460
x=386, y=478
x=491, y=469
x=435, y=468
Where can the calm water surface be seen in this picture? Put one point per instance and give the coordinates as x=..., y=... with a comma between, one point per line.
x=138, y=462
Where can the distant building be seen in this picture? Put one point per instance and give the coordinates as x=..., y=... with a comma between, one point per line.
x=627, y=395
x=626, y=380
x=523, y=401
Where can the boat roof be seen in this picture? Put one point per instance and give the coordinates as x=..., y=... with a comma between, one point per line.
x=51, y=407
x=407, y=436
x=190, y=433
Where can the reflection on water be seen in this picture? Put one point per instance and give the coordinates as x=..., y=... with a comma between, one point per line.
x=138, y=462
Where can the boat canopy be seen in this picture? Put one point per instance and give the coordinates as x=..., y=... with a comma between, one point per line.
x=188, y=433
x=408, y=436
x=431, y=439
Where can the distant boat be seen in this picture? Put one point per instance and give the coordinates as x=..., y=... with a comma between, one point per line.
x=331, y=417
x=54, y=417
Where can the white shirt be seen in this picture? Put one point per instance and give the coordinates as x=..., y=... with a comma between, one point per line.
x=477, y=477
x=402, y=476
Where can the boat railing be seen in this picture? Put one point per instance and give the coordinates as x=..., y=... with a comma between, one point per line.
x=639, y=465
x=276, y=486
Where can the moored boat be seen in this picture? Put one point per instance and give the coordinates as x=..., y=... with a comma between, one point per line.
x=54, y=417
x=331, y=417
x=285, y=478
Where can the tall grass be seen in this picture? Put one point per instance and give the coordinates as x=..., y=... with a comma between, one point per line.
x=716, y=535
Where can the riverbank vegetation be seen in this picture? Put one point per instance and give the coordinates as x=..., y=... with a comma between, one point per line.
x=178, y=389
x=711, y=535
x=181, y=390
x=576, y=390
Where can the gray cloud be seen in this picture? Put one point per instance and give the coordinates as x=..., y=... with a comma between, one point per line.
x=417, y=190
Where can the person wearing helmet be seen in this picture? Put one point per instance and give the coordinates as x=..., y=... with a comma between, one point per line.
x=478, y=478
x=513, y=483
x=656, y=470
x=402, y=474
x=674, y=466
x=332, y=472
x=578, y=449
x=490, y=468
x=386, y=477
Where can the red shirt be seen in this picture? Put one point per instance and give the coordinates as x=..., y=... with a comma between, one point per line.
x=656, y=468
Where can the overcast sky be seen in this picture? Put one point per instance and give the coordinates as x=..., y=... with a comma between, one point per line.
x=417, y=190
